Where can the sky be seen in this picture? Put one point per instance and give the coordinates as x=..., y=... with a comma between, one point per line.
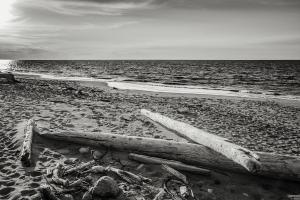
x=150, y=29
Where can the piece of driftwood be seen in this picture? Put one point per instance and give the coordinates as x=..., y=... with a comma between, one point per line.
x=47, y=193
x=175, y=173
x=56, y=177
x=175, y=164
x=79, y=167
x=25, y=155
x=272, y=165
x=128, y=176
x=9, y=77
x=294, y=197
x=160, y=195
x=96, y=169
x=238, y=154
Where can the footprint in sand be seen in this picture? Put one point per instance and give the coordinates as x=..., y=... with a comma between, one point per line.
x=6, y=191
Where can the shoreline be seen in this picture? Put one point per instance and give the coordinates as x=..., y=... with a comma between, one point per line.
x=169, y=89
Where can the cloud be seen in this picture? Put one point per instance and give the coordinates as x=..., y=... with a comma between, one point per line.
x=89, y=7
x=108, y=28
x=234, y=4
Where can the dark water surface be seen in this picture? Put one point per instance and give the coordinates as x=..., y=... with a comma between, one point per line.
x=278, y=77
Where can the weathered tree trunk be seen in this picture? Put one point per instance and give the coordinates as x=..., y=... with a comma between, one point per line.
x=25, y=154
x=272, y=165
x=9, y=77
x=238, y=154
x=175, y=164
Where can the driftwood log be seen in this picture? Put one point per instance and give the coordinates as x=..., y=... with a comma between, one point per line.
x=272, y=165
x=25, y=155
x=9, y=77
x=238, y=154
x=175, y=164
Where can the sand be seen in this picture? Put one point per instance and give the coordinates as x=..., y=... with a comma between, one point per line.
x=263, y=125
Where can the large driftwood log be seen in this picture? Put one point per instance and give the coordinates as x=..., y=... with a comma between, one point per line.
x=272, y=165
x=25, y=154
x=9, y=77
x=238, y=154
x=175, y=164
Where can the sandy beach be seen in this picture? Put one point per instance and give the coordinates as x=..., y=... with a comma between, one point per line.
x=83, y=106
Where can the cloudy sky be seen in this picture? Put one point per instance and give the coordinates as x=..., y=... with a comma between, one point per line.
x=150, y=29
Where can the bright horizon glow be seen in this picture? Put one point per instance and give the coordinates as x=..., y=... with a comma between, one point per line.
x=4, y=65
x=6, y=12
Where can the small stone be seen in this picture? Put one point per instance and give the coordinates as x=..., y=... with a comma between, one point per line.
x=84, y=150
x=183, y=110
x=97, y=155
x=71, y=161
x=106, y=187
x=246, y=195
x=210, y=191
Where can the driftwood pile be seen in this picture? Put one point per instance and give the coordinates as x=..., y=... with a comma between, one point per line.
x=204, y=149
x=10, y=78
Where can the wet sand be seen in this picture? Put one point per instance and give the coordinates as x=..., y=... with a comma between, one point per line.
x=261, y=125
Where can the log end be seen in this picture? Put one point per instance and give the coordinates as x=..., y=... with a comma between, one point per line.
x=25, y=159
x=253, y=166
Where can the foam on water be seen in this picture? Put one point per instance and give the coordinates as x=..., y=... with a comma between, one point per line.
x=157, y=87
x=154, y=87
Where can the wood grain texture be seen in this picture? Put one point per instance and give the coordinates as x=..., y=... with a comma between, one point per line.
x=246, y=158
x=272, y=165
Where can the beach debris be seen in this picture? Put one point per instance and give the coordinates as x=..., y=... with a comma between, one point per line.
x=84, y=150
x=294, y=197
x=47, y=193
x=140, y=166
x=25, y=155
x=56, y=177
x=96, y=169
x=273, y=165
x=80, y=182
x=175, y=164
x=160, y=195
x=184, y=191
x=246, y=158
x=71, y=161
x=128, y=176
x=175, y=173
x=9, y=77
x=79, y=168
x=49, y=172
x=106, y=187
x=88, y=195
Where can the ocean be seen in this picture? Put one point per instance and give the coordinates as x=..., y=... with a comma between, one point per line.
x=271, y=77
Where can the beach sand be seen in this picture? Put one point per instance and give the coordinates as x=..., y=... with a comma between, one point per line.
x=258, y=124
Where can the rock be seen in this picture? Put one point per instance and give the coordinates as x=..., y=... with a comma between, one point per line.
x=106, y=187
x=97, y=155
x=210, y=191
x=84, y=150
x=183, y=110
